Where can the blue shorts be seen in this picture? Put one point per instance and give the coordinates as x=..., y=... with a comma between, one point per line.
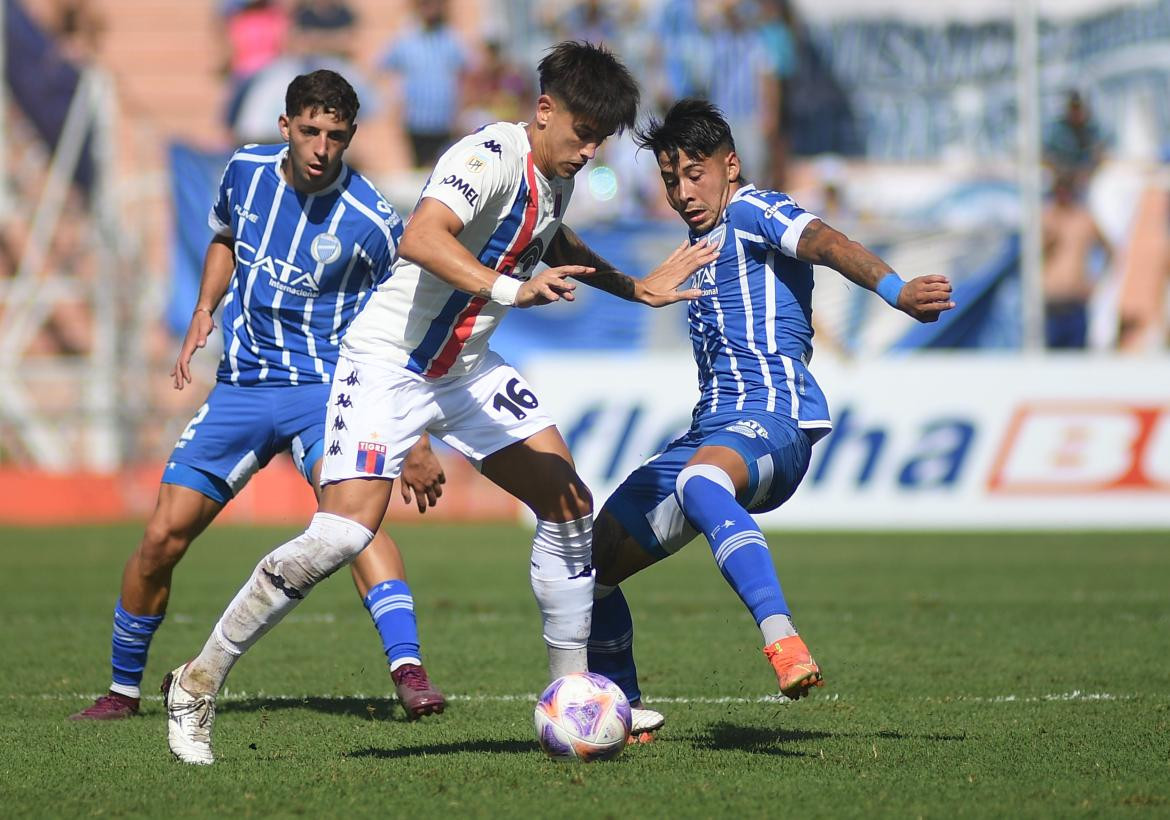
x=774, y=448
x=239, y=429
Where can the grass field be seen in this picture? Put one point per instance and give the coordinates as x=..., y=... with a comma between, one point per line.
x=981, y=675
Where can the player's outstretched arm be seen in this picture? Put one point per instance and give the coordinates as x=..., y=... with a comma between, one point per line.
x=658, y=288
x=422, y=475
x=218, y=264
x=430, y=241
x=924, y=297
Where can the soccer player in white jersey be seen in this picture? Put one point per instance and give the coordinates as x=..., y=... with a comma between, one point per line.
x=759, y=411
x=416, y=359
x=300, y=241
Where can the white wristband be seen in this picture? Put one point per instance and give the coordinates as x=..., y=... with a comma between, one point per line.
x=504, y=289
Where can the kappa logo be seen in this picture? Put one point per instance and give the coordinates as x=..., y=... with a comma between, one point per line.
x=462, y=186
x=492, y=146
x=748, y=428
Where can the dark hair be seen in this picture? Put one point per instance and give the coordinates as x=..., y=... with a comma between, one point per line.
x=322, y=89
x=691, y=125
x=592, y=83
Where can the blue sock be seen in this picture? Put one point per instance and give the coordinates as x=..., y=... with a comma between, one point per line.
x=391, y=607
x=737, y=543
x=611, y=643
x=129, y=647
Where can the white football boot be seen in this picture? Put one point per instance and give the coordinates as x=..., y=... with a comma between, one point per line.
x=645, y=720
x=189, y=721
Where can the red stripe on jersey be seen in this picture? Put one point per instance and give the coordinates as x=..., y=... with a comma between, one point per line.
x=466, y=321
x=459, y=336
x=527, y=224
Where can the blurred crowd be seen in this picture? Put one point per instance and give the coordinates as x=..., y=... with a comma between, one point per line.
x=740, y=54
x=432, y=81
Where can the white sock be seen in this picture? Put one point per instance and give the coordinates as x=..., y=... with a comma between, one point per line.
x=205, y=675
x=562, y=581
x=775, y=627
x=280, y=581
x=563, y=662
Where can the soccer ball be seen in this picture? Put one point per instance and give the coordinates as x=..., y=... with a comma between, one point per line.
x=584, y=717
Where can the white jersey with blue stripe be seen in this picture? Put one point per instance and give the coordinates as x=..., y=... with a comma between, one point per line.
x=510, y=213
x=305, y=264
x=752, y=328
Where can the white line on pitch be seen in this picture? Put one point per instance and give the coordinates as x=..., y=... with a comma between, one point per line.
x=1075, y=695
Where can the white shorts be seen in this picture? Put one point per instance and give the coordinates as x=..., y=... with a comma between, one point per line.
x=377, y=411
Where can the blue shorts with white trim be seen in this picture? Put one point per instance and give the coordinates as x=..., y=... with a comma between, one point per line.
x=776, y=452
x=239, y=429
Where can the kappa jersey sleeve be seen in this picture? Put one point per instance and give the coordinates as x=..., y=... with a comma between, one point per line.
x=219, y=218
x=474, y=172
x=777, y=218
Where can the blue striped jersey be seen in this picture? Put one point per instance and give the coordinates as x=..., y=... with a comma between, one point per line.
x=305, y=264
x=752, y=328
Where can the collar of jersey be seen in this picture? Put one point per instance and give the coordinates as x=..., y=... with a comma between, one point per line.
x=746, y=189
x=328, y=189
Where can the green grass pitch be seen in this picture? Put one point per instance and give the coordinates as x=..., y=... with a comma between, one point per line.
x=974, y=675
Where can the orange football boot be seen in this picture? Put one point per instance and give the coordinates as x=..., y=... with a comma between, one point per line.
x=795, y=669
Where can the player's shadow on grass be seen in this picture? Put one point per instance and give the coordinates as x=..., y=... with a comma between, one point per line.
x=504, y=746
x=756, y=739
x=363, y=708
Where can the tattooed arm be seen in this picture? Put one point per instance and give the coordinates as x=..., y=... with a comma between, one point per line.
x=924, y=297
x=658, y=288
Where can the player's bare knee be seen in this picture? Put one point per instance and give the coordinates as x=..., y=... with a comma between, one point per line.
x=161, y=548
x=572, y=502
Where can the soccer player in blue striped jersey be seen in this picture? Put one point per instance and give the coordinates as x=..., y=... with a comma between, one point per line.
x=759, y=411
x=301, y=240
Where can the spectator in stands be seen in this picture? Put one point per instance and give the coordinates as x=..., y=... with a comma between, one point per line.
x=431, y=62
x=1073, y=143
x=778, y=29
x=255, y=33
x=745, y=83
x=496, y=87
x=324, y=28
x=1070, y=237
x=679, y=60
x=590, y=20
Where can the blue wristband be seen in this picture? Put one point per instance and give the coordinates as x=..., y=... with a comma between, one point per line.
x=889, y=287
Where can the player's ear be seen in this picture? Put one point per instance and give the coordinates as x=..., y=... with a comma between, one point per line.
x=732, y=166
x=283, y=123
x=544, y=109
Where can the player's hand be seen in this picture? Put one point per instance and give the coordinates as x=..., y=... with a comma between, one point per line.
x=658, y=288
x=197, y=332
x=550, y=285
x=926, y=297
x=423, y=475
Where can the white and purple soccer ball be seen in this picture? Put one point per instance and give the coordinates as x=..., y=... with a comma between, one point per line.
x=582, y=716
